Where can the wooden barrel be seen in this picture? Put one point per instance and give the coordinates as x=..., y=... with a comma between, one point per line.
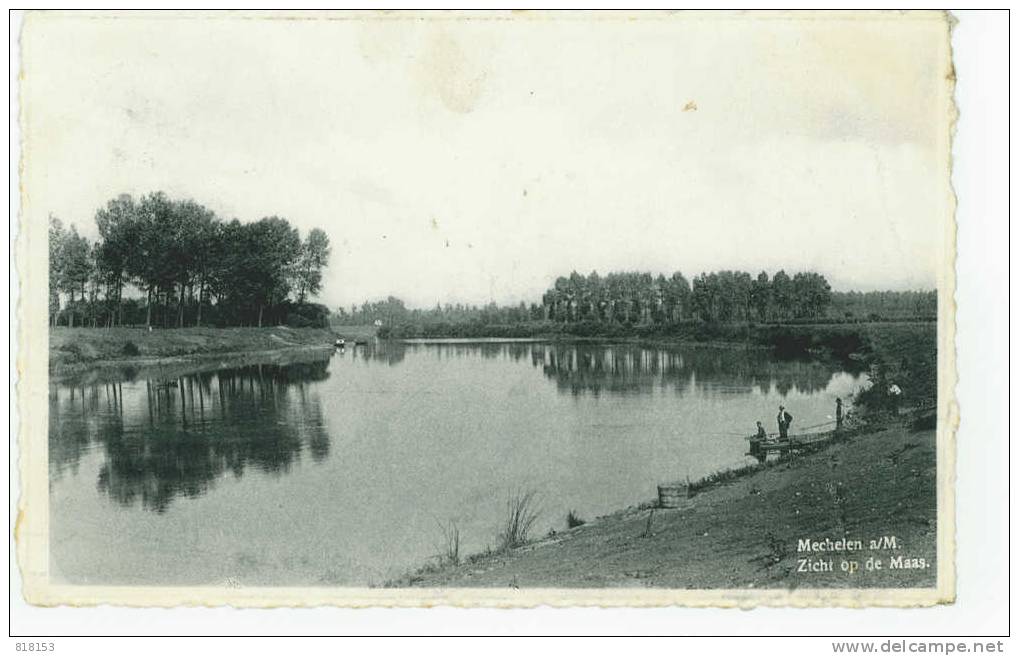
x=672, y=495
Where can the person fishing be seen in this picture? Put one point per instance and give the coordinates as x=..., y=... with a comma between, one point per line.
x=838, y=413
x=784, y=419
x=757, y=444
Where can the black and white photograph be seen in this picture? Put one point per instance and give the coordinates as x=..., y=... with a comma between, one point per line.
x=487, y=308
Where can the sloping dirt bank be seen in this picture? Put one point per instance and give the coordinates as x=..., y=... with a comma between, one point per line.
x=73, y=351
x=747, y=533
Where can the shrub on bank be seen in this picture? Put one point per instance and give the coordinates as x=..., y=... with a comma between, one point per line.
x=903, y=368
x=307, y=315
x=838, y=341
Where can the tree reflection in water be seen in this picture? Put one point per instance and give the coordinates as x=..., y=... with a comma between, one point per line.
x=163, y=439
x=627, y=368
x=377, y=351
x=167, y=438
x=580, y=369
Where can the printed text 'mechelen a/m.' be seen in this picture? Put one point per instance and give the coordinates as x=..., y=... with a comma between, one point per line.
x=827, y=544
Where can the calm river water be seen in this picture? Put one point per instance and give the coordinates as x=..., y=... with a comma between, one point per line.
x=340, y=471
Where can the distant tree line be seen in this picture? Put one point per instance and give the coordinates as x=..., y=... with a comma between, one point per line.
x=722, y=296
x=631, y=299
x=613, y=304
x=392, y=312
x=190, y=267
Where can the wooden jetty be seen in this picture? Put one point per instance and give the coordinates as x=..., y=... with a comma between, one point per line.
x=674, y=495
x=761, y=448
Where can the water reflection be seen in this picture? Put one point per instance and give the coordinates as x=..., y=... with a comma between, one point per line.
x=165, y=438
x=629, y=368
x=168, y=438
x=335, y=471
x=376, y=351
x=633, y=369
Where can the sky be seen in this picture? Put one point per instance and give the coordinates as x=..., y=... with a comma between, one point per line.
x=474, y=160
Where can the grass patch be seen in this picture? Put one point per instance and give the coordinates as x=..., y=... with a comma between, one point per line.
x=726, y=476
x=522, y=512
x=450, y=554
x=573, y=520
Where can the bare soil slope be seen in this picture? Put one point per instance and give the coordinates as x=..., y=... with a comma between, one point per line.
x=746, y=533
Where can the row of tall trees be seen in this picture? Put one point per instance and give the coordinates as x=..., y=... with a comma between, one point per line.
x=185, y=261
x=622, y=297
x=718, y=296
x=631, y=298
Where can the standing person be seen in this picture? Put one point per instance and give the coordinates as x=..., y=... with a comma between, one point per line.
x=838, y=413
x=894, y=397
x=783, y=423
x=761, y=433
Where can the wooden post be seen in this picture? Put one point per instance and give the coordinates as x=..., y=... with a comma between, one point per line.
x=650, y=523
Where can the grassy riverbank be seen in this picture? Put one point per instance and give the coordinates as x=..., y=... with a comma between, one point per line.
x=743, y=533
x=73, y=350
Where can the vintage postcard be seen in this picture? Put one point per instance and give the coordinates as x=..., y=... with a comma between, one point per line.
x=486, y=308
